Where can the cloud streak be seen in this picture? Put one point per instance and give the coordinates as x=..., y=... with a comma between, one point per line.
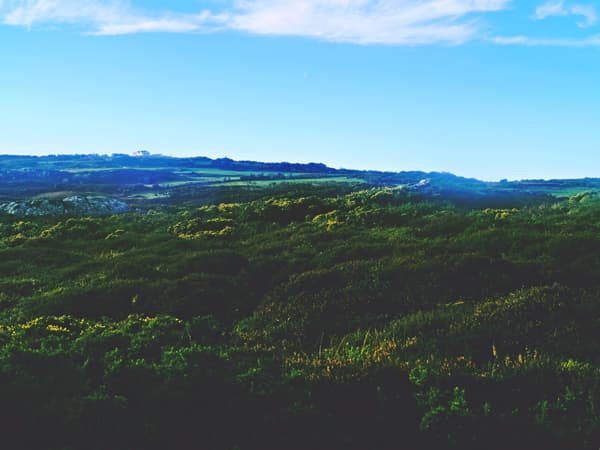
x=557, y=8
x=589, y=41
x=171, y=23
x=401, y=22
x=108, y=17
x=366, y=22
x=386, y=22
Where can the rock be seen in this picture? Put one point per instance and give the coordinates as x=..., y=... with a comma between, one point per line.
x=76, y=205
x=422, y=185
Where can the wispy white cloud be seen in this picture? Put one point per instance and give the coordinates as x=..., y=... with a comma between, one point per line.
x=169, y=23
x=558, y=8
x=587, y=13
x=28, y=12
x=550, y=9
x=358, y=21
x=589, y=41
x=392, y=22
x=365, y=21
x=103, y=17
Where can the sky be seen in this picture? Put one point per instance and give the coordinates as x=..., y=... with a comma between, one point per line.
x=489, y=89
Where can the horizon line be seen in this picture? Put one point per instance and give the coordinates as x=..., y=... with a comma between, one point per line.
x=339, y=168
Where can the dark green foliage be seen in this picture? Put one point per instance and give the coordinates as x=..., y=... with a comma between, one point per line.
x=304, y=317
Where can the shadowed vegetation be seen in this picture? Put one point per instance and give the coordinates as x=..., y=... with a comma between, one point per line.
x=304, y=317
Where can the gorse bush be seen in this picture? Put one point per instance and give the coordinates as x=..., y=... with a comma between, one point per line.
x=307, y=319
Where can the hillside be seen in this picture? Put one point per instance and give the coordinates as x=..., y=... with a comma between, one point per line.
x=382, y=313
x=159, y=180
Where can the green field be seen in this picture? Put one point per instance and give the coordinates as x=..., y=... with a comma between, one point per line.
x=567, y=192
x=297, y=180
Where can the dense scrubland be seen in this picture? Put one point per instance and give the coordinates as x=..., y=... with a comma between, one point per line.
x=304, y=317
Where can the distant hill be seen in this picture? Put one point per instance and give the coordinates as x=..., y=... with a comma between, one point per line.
x=143, y=176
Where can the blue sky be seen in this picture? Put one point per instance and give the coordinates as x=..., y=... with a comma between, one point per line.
x=483, y=88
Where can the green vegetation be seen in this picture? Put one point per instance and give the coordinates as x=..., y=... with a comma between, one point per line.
x=292, y=180
x=304, y=317
x=153, y=179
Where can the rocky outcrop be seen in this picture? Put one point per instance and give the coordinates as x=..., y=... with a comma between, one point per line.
x=76, y=205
